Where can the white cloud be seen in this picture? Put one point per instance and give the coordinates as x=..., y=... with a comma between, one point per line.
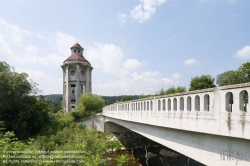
x=244, y=53
x=16, y=33
x=111, y=59
x=107, y=57
x=177, y=75
x=136, y=83
x=29, y=53
x=63, y=41
x=145, y=9
x=190, y=62
x=173, y=80
x=46, y=83
x=131, y=64
x=5, y=50
x=121, y=18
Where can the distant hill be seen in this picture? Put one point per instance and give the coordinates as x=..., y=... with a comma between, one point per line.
x=113, y=99
x=52, y=96
x=108, y=99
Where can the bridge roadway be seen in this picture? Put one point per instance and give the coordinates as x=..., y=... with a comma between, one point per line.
x=211, y=126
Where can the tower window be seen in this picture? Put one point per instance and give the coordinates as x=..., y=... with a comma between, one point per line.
x=74, y=50
x=72, y=72
x=73, y=91
x=79, y=51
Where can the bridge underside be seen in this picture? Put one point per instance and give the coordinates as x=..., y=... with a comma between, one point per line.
x=205, y=148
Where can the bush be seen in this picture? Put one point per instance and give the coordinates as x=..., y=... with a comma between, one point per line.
x=88, y=105
x=122, y=160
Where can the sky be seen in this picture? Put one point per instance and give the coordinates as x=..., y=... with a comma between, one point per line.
x=135, y=46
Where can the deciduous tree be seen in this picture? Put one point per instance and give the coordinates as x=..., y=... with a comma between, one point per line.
x=201, y=82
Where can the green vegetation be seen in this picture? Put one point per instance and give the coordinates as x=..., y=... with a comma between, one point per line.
x=113, y=145
x=114, y=99
x=21, y=112
x=122, y=160
x=201, y=82
x=32, y=128
x=171, y=90
x=85, y=145
x=241, y=75
x=88, y=105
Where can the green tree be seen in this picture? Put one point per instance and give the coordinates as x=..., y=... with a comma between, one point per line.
x=21, y=112
x=230, y=77
x=160, y=92
x=56, y=105
x=113, y=144
x=201, y=82
x=241, y=75
x=88, y=105
x=173, y=90
x=244, y=69
x=127, y=98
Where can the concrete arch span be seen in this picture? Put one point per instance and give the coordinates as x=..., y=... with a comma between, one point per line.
x=206, y=148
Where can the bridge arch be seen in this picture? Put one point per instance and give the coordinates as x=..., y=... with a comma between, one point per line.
x=197, y=103
x=159, y=105
x=163, y=104
x=182, y=104
x=229, y=102
x=243, y=96
x=175, y=104
x=189, y=103
x=206, y=102
x=151, y=105
x=169, y=104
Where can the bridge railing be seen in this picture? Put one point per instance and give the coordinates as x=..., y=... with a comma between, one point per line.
x=233, y=98
x=220, y=110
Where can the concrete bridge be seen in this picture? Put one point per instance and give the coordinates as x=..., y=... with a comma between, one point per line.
x=211, y=126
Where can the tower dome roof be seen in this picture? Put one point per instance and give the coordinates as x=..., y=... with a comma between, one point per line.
x=76, y=57
x=77, y=45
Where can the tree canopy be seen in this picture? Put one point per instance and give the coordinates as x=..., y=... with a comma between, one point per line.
x=201, y=82
x=88, y=104
x=171, y=90
x=21, y=112
x=241, y=75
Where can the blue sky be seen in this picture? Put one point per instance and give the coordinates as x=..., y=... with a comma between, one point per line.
x=134, y=46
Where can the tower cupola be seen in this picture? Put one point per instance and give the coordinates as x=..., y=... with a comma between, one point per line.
x=77, y=49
